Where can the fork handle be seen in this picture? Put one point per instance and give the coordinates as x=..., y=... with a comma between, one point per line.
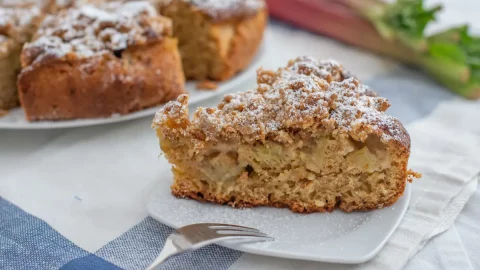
x=169, y=250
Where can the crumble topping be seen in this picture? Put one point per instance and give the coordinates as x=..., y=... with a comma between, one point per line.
x=18, y=23
x=306, y=95
x=18, y=3
x=90, y=30
x=53, y=6
x=220, y=10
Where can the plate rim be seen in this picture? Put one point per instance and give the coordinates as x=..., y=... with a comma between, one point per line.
x=366, y=257
x=318, y=258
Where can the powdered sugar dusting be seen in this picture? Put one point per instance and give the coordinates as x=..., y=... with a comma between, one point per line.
x=224, y=9
x=306, y=95
x=93, y=30
x=18, y=23
x=19, y=3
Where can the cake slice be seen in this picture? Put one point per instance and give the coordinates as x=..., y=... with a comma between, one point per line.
x=310, y=137
x=97, y=61
x=217, y=39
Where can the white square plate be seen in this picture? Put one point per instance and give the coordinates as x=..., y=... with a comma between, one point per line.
x=330, y=237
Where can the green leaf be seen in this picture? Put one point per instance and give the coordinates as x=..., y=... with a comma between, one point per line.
x=470, y=44
x=404, y=20
x=475, y=74
x=473, y=62
x=410, y=16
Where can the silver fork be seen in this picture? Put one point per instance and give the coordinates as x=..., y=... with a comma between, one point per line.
x=195, y=236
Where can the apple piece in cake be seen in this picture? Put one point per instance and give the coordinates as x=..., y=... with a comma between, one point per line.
x=309, y=137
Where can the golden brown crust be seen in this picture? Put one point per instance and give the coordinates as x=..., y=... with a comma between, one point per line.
x=144, y=76
x=96, y=61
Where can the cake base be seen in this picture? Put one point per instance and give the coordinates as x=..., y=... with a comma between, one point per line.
x=181, y=193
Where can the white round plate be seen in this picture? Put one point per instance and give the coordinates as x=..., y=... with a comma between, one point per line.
x=15, y=119
x=336, y=237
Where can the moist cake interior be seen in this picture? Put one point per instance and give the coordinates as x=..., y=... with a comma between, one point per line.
x=322, y=171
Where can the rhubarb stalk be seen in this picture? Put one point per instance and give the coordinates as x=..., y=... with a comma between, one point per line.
x=397, y=30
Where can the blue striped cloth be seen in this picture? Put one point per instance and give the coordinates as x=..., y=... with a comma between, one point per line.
x=27, y=242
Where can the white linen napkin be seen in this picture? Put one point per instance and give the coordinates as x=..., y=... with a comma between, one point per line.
x=445, y=149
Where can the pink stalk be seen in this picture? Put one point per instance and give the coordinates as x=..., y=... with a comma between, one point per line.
x=332, y=19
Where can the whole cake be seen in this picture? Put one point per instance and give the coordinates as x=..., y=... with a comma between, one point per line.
x=17, y=25
x=310, y=137
x=96, y=61
x=95, y=58
x=217, y=38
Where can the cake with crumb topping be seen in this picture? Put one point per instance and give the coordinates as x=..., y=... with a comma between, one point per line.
x=217, y=38
x=17, y=24
x=95, y=58
x=310, y=137
x=97, y=61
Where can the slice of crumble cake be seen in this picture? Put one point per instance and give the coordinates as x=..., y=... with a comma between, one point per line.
x=310, y=137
